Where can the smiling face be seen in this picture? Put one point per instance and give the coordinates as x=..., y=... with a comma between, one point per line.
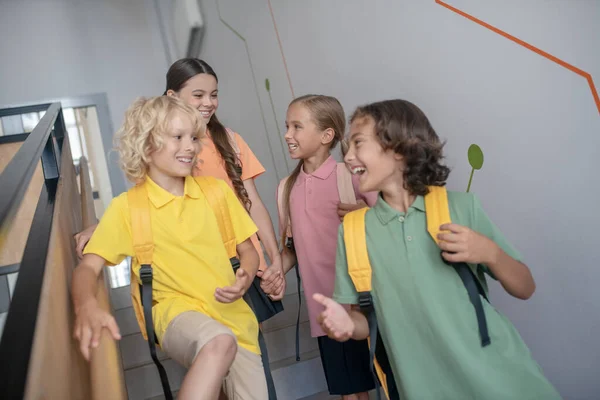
x=176, y=155
x=303, y=136
x=201, y=92
x=377, y=168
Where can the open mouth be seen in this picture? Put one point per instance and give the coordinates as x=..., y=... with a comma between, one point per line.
x=358, y=170
x=292, y=146
x=205, y=114
x=185, y=160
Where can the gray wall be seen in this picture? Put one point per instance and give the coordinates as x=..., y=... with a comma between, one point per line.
x=536, y=121
x=64, y=48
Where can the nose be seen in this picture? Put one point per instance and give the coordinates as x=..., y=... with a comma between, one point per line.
x=288, y=134
x=207, y=101
x=188, y=144
x=349, y=156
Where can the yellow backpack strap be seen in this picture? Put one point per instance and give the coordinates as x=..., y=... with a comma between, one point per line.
x=437, y=209
x=344, y=184
x=218, y=203
x=141, y=229
x=143, y=247
x=355, y=239
x=359, y=269
x=143, y=244
x=438, y=213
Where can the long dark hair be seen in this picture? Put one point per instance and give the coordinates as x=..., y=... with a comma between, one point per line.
x=177, y=76
x=326, y=112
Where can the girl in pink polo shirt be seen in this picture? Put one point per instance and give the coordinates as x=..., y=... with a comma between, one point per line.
x=315, y=124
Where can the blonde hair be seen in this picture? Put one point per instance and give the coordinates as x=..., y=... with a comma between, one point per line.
x=326, y=112
x=146, y=120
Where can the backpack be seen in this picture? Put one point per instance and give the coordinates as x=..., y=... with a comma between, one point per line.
x=347, y=195
x=143, y=245
x=359, y=269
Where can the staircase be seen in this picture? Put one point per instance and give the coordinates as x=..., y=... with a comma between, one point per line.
x=293, y=380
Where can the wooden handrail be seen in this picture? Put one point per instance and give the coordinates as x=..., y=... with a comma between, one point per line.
x=106, y=371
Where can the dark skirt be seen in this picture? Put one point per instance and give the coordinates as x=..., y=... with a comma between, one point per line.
x=346, y=366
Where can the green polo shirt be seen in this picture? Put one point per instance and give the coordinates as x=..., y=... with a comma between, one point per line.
x=425, y=318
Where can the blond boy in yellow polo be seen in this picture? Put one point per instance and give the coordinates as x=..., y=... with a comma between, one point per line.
x=200, y=318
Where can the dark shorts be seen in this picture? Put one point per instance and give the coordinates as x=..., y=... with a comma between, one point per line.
x=346, y=366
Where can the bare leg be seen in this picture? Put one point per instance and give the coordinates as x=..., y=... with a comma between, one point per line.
x=204, y=379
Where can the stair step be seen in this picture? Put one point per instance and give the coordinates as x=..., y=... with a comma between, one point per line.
x=126, y=321
x=135, y=352
x=286, y=362
x=281, y=343
x=144, y=382
x=120, y=297
x=299, y=380
x=162, y=396
x=288, y=316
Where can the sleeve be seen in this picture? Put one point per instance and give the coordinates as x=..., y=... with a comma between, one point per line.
x=482, y=224
x=112, y=238
x=369, y=197
x=251, y=167
x=243, y=225
x=344, y=291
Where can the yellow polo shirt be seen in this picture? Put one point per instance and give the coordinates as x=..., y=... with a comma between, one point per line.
x=190, y=260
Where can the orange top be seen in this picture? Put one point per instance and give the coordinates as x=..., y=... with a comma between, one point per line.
x=210, y=163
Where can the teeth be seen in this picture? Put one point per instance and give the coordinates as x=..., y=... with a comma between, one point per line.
x=292, y=146
x=185, y=160
x=358, y=170
x=205, y=113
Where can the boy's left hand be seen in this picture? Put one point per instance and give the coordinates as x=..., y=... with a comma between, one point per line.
x=461, y=244
x=229, y=294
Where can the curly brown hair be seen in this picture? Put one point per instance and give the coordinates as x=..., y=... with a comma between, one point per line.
x=402, y=127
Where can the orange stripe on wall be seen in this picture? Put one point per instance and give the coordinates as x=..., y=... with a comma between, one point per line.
x=542, y=53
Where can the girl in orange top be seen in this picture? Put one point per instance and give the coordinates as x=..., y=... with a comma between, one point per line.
x=224, y=155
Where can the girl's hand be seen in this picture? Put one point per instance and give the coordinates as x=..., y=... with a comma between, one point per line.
x=461, y=244
x=334, y=320
x=272, y=281
x=344, y=208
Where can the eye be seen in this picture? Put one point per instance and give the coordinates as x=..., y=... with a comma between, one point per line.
x=214, y=96
x=177, y=137
x=195, y=138
x=297, y=126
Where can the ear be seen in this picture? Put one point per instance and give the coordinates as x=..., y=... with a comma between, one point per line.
x=327, y=136
x=171, y=93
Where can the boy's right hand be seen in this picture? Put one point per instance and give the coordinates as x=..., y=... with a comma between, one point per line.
x=334, y=320
x=89, y=323
x=82, y=238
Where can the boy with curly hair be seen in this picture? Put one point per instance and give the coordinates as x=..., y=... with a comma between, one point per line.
x=425, y=315
x=200, y=318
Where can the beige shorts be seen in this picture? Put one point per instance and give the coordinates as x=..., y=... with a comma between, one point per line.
x=188, y=332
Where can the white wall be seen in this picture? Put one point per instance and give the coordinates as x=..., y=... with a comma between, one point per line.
x=536, y=122
x=64, y=48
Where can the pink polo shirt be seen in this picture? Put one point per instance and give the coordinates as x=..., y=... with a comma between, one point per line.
x=313, y=208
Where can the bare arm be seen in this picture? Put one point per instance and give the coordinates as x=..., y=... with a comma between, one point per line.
x=361, y=324
x=243, y=276
x=462, y=244
x=90, y=319
x=288, y=260
x=262, y=219
x=514, y=276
